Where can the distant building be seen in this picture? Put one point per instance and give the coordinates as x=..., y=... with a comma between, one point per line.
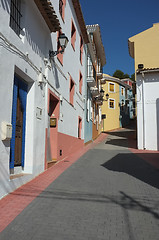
x=111, y=107
x=117, y=107
x=95, y=61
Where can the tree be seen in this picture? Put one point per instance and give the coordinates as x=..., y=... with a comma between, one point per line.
x=126, y=75
x=118, y=74
x=133, y=77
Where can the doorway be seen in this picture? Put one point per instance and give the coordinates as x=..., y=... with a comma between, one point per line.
x=53, y=114
x=17, y=149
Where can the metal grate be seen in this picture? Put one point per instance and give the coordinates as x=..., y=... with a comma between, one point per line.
x=60, y=6
x=15, y=16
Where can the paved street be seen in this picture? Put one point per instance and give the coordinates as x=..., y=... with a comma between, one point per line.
x=109, y=193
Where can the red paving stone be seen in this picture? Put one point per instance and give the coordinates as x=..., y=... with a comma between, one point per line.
x=14, y=203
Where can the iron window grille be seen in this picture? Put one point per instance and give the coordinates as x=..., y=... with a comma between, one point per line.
x=60, y=6
x=15, y=16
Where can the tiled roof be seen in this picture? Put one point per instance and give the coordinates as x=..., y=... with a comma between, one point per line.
x=47, y=11
x=95, y=29
x=80, y=18
x=117, y=80
x=147, y=70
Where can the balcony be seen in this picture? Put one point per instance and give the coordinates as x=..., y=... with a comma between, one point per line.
x=91, y=78
x=99, y=100
x=99, y=75
x=102, y=81
x=94, y=91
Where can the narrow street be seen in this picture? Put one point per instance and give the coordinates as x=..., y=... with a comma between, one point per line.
x=111, y=192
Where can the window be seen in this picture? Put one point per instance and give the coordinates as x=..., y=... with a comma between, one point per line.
x=80, y=82
x=122, y=91
x=72, y=90
x=79, y=127
x=73, y=35
x=62, y=4
x=15, y=16
x=60, y=55
x=111, y=103
x=81, y=49
x=111, y=87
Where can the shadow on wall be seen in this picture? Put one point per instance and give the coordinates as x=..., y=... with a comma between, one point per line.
x=5, y=5
x=125, y=120
x=157, y=114
x=55, y=73
x=125, y=138
x=135, y=166
x=5, y=186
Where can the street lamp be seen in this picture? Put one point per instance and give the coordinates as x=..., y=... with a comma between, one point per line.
x=102, y=95
x=107, y=96
x=102, y=92
x=63, y=41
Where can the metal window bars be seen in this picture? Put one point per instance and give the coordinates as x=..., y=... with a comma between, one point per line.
x=15, y=16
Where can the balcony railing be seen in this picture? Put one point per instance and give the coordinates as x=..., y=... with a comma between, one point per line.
x=91, y=76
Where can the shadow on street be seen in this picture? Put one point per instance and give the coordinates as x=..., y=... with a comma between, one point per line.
x=123, y=138
x=134, y=165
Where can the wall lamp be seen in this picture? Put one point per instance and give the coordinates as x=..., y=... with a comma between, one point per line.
x=102, y=95
x=63, y=41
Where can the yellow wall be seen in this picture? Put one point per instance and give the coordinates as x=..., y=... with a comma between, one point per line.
x=112, y=115
x=146, y=47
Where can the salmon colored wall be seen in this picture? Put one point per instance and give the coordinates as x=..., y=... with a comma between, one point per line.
x=68, y=145
x=54, y=112
x=46, y=148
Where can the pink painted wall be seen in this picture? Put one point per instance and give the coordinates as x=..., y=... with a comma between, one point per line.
x=53, y=111
x=68, y=145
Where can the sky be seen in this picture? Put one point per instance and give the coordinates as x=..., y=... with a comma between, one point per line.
x=119, y=20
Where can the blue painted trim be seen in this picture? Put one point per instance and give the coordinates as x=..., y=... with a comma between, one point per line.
x=14, y=111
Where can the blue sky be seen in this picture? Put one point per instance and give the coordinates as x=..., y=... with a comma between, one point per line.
x=118, y=21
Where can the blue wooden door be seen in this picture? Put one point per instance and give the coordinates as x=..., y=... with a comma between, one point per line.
x=17, y=149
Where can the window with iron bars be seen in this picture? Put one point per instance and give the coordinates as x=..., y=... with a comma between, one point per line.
x=15, y=16
x=60, y=6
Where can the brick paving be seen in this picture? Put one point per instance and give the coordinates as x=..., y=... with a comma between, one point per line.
x=110, y=192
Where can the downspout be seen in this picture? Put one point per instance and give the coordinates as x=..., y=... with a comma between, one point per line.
x=143, y=111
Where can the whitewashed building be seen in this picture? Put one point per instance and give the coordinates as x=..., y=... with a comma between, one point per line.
x=147, y=85
x=41, y=95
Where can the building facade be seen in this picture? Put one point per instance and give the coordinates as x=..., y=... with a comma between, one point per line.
x=143, y=47
x=42, y=95
x=110, y=107
x=95, y=61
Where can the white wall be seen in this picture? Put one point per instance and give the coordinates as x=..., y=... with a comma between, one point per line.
x=148, y=111
x=36, y=43
x=59, y=76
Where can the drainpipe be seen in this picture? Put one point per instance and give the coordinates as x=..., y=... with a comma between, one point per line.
x=143, y=112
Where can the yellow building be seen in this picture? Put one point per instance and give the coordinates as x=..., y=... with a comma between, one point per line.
x=144, y=47
x=110, y=107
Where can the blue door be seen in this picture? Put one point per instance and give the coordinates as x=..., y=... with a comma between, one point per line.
x=17, y=150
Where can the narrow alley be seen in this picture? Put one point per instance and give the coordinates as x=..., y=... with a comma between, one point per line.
x=110, y=193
